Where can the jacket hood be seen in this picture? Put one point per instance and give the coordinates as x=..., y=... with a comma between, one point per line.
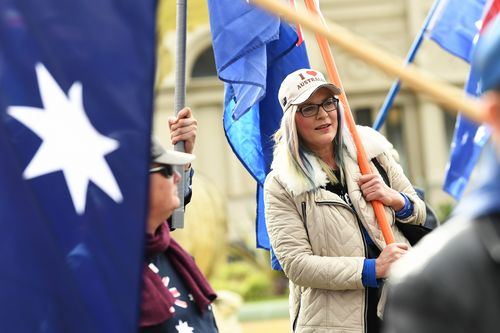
x=295, y=181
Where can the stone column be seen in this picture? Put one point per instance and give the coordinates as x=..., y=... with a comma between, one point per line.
x=434, y=149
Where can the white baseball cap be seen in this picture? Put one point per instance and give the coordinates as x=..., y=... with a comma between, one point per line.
x=161, y=155
x=298, y=86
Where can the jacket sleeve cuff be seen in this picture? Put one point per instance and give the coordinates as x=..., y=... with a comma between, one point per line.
x=368, y=276
x=407, y=210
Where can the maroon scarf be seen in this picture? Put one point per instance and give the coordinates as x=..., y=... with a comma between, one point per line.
x=156, y=299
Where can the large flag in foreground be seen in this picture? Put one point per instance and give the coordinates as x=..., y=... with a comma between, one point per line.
x=456, y=27
x=76, y=83
x=254, y=52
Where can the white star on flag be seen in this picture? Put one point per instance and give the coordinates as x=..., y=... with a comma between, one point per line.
x=183, y=327
x=69, y=141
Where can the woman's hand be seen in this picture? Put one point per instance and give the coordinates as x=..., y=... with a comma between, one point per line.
x=389, y=255
x=373, y=187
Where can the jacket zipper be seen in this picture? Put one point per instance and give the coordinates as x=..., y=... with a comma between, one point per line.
x=365, y=290
x=338, y=203
x=365, y=250
x=304, y=218
x=294, y=326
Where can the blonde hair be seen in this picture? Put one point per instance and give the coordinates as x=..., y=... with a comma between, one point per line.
x=288, y=137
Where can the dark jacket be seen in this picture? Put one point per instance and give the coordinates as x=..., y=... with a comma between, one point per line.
x=458, y=290
x=450, y=282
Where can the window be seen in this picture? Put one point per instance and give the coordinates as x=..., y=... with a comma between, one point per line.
x=205, y=64
x=394, y=129
x=449, y=125
x=363, y=116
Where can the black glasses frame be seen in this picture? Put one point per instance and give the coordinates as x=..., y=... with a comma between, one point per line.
x=311, y=109
x=165, y=170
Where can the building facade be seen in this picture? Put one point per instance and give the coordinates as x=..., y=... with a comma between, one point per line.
x=420, y=130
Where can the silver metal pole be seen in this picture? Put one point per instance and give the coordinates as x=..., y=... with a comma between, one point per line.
x=179, y=98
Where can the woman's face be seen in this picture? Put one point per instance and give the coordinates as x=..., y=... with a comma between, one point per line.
x=317, y=132
x=163, y=199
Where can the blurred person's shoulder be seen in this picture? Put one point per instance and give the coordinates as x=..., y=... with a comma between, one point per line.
x=439, y=253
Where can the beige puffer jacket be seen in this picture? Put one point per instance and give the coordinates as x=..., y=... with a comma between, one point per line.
x=317, y=239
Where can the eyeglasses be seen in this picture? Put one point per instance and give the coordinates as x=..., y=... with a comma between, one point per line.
x=311, y=110
x=165, y=170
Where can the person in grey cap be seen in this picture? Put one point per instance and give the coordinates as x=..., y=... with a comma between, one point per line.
x=450, y=282
x=320, y=222
x=175, y=296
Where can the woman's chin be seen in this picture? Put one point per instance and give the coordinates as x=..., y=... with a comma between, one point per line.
x=171, y=211
x=169, y=214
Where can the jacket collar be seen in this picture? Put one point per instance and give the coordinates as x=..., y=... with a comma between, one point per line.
x=296, y=182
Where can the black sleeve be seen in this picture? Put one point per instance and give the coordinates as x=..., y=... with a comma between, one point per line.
x=421, y=305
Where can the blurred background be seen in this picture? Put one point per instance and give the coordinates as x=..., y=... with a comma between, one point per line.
x=220, y=220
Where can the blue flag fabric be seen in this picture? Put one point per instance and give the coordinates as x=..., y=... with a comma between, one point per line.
x=468, y=141
x=484, y=196
x=253, y=54
x=455, y=27
x=240, y=33
x=76, y=90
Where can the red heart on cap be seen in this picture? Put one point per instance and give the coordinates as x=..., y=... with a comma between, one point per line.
x=312, y=73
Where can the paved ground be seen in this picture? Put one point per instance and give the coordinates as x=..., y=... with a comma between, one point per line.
x=263, y=317
x=278, y=325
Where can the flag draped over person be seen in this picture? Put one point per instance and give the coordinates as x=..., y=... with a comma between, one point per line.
x=75, y=116
x=254, y=52
x=455, y=27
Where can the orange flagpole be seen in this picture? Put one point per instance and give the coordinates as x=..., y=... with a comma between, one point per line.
x=363, y=163
x=300, y=39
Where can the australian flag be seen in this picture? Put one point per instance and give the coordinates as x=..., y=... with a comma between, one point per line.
x=456, y=26
x=254, y=52
x=76, y=85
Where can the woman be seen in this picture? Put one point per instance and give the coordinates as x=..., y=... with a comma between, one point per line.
x=175, y=297
x=319, y=218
